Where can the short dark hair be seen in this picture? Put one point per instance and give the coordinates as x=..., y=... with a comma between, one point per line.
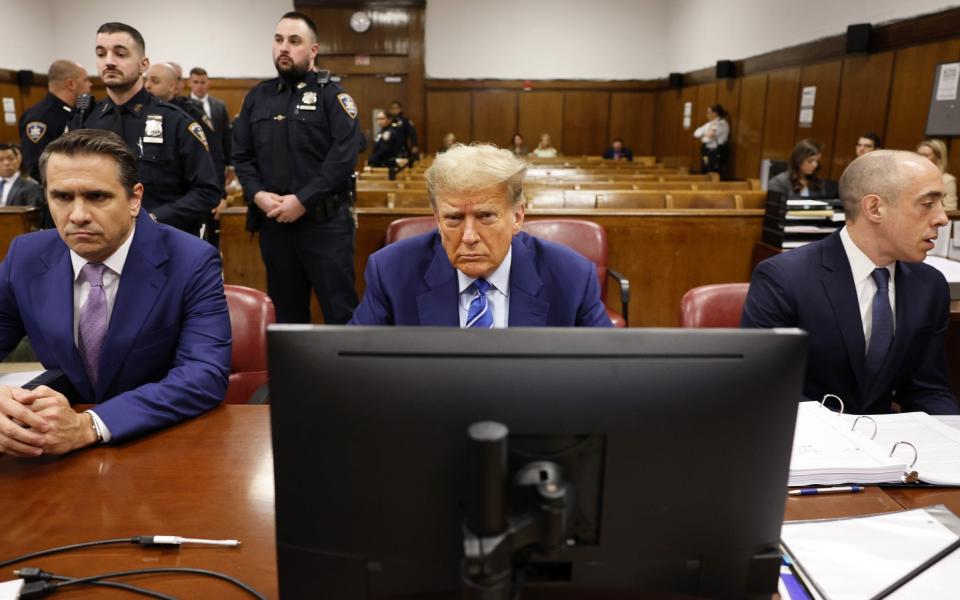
x=86, y=142
x=299, y=16
x=877, y=144
x=15, y=148
x=720, y=110
x=198, y=71
x=116, y=27
x=397, y=102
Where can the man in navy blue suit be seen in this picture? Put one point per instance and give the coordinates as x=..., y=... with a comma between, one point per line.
x=477, y=269
x=132, y=312
x=876, y=315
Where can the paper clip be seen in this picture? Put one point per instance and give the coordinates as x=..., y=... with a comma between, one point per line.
x=909, y=475
x=837, y=398
x=872, y=420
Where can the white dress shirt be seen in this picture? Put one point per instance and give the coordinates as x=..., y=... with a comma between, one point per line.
x=7, y=184
x=497, y=296
x=862, y=267
x=206, y=104
x=719, y=126
x=111, y=283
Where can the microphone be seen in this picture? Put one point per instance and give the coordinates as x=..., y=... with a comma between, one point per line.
x=85, y=104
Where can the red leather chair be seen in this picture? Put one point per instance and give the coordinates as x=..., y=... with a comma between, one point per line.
x=585, y=237
x=251, y=311
x=717, y=305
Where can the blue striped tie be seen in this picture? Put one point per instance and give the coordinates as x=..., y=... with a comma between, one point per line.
x=480, y=314
x=881, y=333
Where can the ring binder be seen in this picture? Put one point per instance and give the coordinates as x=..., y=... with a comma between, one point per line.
x=838, y=399
x=909, y=475
x=872, y=420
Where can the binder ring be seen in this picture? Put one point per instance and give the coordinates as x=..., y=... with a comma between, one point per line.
x=915, y=453
x=872, y=420
x=834, y=396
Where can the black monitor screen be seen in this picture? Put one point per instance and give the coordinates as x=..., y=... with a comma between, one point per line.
x=631, y=460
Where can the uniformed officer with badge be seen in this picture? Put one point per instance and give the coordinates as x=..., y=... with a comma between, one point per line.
x=295, y=147
x=174, y=163
x=403, y=127
x=386, y=146
x=46, y=120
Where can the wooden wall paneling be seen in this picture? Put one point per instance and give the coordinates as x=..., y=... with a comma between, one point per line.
x=668, y=126
x=748, y=131
x=415, y=108
x=540, y=112
x=910, y=90
x=706, y=97
x=9, y=133
x=728, y=96
x=685, y=141
x=632, y=118
x=864, y=94
x=494, y=117
x=586, y=120
x=780, y=118
x=389, y=33
x=371, y=93
x=826, y=78
x=448, y=111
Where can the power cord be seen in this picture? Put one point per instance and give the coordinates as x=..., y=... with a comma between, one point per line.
x=41, y=581
x=39, y=588
x=146, y=541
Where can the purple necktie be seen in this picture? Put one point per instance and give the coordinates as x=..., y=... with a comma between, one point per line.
x=93, y=319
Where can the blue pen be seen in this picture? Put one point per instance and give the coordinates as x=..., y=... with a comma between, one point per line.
x=842, y=489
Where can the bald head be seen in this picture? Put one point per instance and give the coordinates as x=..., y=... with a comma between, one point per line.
x=161, y=81
x=67, y=80
x=883, y=173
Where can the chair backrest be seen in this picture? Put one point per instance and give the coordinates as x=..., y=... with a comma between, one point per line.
x=717, y=305
x=584, y=237
x=251, y=311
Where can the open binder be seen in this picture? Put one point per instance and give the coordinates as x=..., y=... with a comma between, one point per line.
x=831, y=448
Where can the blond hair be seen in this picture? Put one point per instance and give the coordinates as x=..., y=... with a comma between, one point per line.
x=476, y=167
x=939, y=150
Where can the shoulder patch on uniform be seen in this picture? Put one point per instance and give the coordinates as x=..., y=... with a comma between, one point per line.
x=349, y=106
x=197, y=132
x=35, y=130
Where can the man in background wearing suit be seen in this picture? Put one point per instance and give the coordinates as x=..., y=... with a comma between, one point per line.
x=132, y=312
x=876, y=315
x=16, y=189
x=478, y=269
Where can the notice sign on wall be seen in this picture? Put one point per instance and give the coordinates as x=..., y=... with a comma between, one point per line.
x=808, y=98
x=943, y=118
x=687, y=114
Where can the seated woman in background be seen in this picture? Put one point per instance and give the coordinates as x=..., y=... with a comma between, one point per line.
x=800, y=180
x=519, y=147
x=544, y=149
x=448, y=141
x=936, y=152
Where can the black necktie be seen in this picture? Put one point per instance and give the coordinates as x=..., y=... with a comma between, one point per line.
x=881, y=333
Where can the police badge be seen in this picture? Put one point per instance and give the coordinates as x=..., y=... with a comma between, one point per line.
x=153, y=129
x=35, y=130
x=309, y=100
x=348, y=105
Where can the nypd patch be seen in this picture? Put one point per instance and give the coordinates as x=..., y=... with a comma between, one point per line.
x=349, y=106
x=35, y=130
x=197, y=132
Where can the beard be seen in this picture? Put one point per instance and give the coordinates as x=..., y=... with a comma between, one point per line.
x=295, y=71
x=121, y=84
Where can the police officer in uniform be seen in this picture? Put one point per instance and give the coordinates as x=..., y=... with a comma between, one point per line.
x=46, y=120
x=174, y=163
x=405, y=130
x=295, y=146
x=386, y=146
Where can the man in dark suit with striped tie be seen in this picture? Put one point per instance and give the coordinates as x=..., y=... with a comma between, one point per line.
x=876, y=315
x=477, y=269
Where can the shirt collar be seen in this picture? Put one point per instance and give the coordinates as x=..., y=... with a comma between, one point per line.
x=499, y=279
x=196, y=97
x=12, y=178
x=134, y=104
x=114, y=262
x=860, y=264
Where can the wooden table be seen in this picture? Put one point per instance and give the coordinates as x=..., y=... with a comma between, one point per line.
x=212, y=477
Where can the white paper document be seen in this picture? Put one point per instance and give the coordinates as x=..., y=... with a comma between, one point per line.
x=947, y=84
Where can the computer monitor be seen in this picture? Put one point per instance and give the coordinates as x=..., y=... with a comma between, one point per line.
x=671, y=447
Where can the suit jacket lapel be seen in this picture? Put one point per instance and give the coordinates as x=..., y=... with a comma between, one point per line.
x=51, y=293
x=140, y=285
x=842, y=293
x=439, y=305
x=526, y=309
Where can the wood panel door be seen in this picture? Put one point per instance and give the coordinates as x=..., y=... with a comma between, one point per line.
x=373, y=93
x=728, y=96
x=448, y=112
x=541, y=112
x=749, y=129
x=586, y=120
x=667, y=126
x=780, y=118
x=825, y=77
x=494, y=117
x=632, y=118
x=864, y=95
x=685, y=141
